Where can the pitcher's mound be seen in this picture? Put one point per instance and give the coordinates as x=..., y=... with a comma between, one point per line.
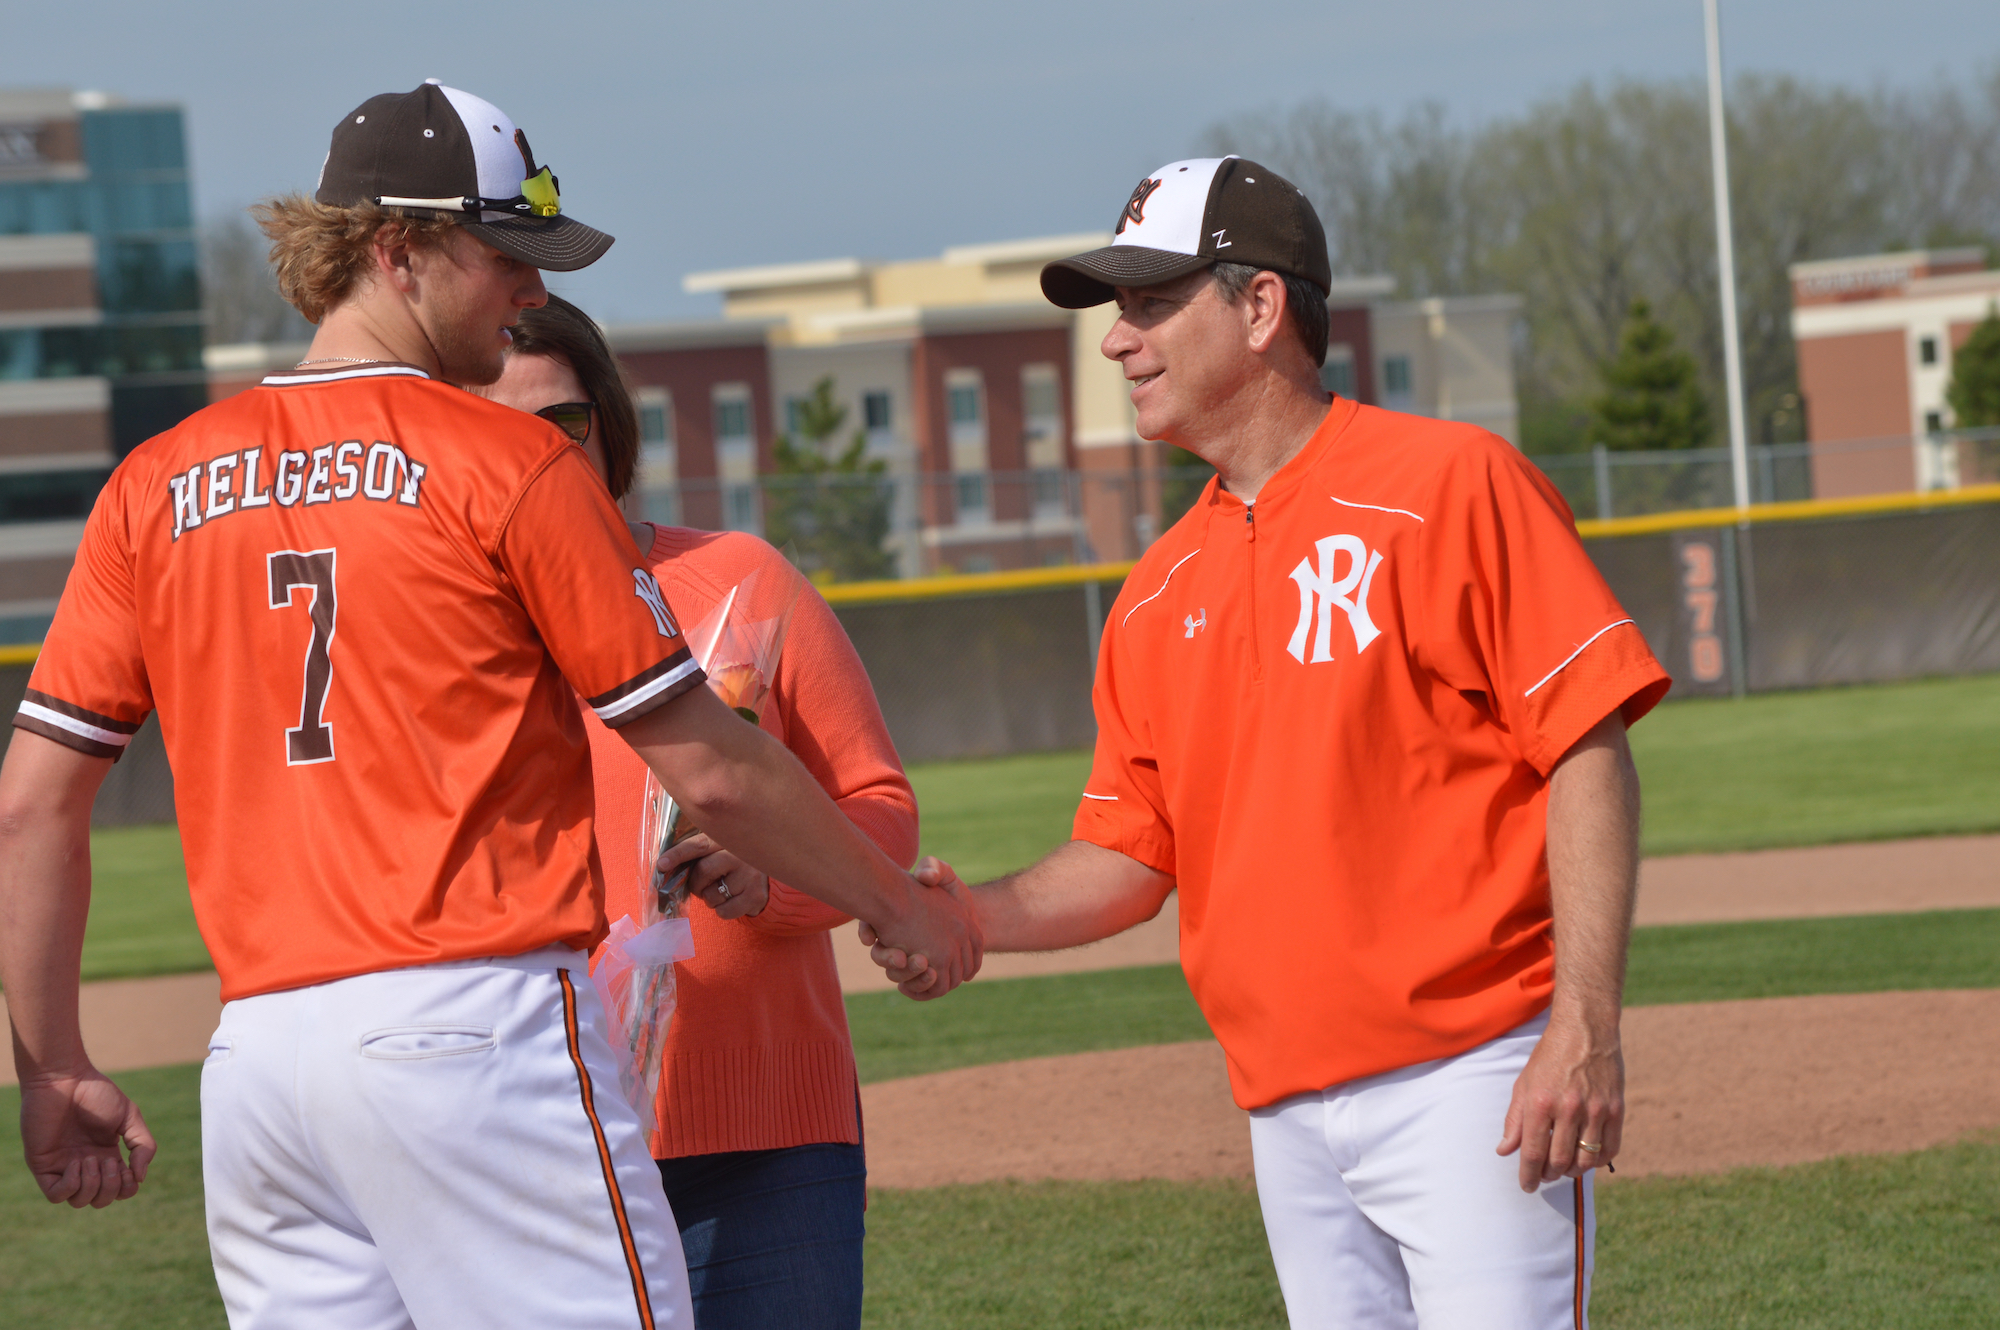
x=1713, y=1086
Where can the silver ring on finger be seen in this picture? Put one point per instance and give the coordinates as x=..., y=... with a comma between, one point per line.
x=722, y=887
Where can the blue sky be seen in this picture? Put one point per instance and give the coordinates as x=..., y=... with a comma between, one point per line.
x=716, y=136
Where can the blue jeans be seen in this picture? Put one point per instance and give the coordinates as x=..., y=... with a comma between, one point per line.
x=773, y=1237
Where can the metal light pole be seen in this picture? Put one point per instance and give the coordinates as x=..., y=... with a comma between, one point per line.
x=1725, y=249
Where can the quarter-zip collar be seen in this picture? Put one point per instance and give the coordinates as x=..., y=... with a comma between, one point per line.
x=1288, y=477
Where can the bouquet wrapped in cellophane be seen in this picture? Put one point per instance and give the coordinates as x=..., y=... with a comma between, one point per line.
x=635, y=974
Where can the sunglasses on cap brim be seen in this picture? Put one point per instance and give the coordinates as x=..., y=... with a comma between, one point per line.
x=572, y=418
x=540, y=196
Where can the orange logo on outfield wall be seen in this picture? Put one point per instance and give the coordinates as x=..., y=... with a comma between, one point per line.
x=1135, y=207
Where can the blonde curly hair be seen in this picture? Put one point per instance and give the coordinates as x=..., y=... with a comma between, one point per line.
x=322, y=253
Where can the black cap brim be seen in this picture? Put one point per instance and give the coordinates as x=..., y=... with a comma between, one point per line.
x=553, y=244
x=1086, y=279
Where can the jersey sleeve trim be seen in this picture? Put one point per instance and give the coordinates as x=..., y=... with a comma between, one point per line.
x=73, y=726
x=641, y=693
x=1570, y=659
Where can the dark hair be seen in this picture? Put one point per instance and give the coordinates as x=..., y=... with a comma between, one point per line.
x=561, y=329
x=1304, y=301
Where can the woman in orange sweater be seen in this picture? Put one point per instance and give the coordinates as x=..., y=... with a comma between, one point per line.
x=759, y=1141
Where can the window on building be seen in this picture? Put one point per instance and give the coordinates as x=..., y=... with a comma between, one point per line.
x=1051, y=491
x=795, y=417
x=1927, y=350
x=1041, y=416
x=732, y=414
x=971, y=492
x=740, y=507
x=1337, y=375
x=1933, y=422
x=965, y=404
x=656, y=418
x=1396, y=376
x=875, y=410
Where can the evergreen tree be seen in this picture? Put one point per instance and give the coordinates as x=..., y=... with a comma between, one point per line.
x=832, y=509
x=1652, y=399
x=1974, y=393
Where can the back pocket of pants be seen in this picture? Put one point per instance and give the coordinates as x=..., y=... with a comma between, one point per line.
x=402, y=1043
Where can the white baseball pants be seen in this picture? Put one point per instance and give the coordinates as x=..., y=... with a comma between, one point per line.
x=439, y=1146
x=1387, y=1208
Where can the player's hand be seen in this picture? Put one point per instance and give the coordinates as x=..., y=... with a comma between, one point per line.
x=715, y=868
x=1572, y=1090
x=911, y=966
x=71, y=1127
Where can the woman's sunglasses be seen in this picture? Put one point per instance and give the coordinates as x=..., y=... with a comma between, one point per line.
x=572, y=418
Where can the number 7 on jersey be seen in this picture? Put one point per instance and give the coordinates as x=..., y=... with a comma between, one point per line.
x=293, y=570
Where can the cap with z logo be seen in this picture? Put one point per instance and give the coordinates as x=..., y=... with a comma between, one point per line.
x=1189, y=215
x=439, y=150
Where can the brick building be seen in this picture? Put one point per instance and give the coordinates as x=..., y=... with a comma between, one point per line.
x=100, y=320
x=1875, y=339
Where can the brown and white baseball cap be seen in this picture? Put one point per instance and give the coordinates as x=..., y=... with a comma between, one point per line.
x=440, y=150
x=1189, y=215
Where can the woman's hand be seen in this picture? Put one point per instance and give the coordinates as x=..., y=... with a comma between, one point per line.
x=727, y=885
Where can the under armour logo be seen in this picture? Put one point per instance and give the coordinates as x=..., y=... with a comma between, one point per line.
x=1320, y=584
x=648, y=590
x=1135, y=207
x=1194, y=624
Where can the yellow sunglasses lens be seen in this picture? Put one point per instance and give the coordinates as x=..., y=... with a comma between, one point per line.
x=540, y=192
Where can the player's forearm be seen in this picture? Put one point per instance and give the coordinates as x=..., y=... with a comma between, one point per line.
x=748, y=793
x=1077, y=894
x=44, y=903
x=1593, y=839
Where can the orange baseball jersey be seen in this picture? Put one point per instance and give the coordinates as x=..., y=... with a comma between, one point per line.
x=358, y=601
x=1331, y=716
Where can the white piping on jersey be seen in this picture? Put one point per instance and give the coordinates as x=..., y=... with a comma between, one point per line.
x=1573, y=655
x=1107, y=798
x=1373, y=507
x=75, y=726
x=612, y=711
x=378, y=371
x=1156, y=595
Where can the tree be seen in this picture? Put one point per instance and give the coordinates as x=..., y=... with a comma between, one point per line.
x=1652, y=399
x=241, y=294
x=833, y=509
x=1974, y=394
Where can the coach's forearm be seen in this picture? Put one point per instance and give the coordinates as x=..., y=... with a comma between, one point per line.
x=751, y=795
x=1077, y=894
x=44, y=900
x=1593, y=876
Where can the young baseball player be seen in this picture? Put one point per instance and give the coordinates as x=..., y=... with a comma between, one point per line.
x=362, y=602
x=1364, y=706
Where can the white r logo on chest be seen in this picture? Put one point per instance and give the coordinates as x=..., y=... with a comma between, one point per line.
x=1318, y=588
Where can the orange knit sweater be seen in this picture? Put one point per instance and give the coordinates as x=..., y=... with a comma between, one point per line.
x=758, y=1056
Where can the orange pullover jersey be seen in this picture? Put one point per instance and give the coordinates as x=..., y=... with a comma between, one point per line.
x=358, y=601
x=1331, y=715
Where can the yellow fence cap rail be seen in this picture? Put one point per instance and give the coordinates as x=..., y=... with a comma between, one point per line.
x=20, y=655
x=1804, y=510
x=972, y=584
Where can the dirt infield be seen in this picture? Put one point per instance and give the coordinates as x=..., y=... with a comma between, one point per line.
x=1876, y=877
x=1714, y=1086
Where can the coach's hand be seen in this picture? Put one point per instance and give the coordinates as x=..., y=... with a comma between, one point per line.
x=1571, y=1091
x=71, y=1127
x=911, y=970
x=724, y=883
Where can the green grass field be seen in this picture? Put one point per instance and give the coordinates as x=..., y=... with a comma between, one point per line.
x=1846, y=1244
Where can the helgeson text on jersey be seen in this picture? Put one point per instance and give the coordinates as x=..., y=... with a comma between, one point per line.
x=329, y=473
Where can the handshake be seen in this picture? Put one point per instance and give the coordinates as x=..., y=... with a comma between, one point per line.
x=942, y=944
